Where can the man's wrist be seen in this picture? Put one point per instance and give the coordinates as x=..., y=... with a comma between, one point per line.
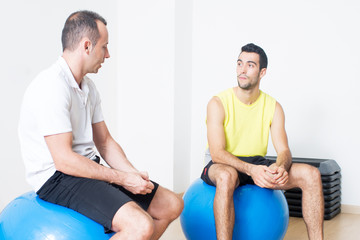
x=249, y=169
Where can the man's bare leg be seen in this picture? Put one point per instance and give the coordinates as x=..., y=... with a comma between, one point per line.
x=308, y=178
x=132, y=222
x=226, y=180
x=165, y=207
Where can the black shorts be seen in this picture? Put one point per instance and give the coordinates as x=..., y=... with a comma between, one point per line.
x=243, y=178
x=95, y=199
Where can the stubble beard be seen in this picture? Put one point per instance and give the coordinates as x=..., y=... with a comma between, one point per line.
x=248, y=85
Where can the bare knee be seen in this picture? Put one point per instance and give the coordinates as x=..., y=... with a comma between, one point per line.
x=166, y=206
x=139, y=228
x=227, y=179
x=173, y=206
x=145, y=227
x=311, y=177
x=134, y=222
x=176, y=207
x=315, y=176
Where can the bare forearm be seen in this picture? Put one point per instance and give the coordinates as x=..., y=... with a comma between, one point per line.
x=224, y=157
x=284, y=160
x=114, y=155
x=109, y=149
x=77, y=165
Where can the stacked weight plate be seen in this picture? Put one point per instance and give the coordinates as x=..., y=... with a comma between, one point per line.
x=331, y=182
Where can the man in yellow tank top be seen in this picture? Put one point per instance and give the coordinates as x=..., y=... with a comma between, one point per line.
x=239, y=121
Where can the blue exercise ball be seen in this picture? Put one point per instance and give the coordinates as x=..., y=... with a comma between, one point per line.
x=259, y=213
x=30, y=218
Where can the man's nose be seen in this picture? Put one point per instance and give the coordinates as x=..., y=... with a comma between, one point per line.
x=242, y=69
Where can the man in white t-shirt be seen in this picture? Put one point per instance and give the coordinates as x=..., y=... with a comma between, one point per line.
x=61, y=123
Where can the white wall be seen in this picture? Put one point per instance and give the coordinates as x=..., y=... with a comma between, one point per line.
x=182, y=94
x=145, y=91
x=313, y=54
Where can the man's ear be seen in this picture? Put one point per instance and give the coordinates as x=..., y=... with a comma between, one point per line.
x=262, y=72
x=86, y=45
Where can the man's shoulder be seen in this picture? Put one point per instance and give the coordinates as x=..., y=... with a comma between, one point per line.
x=268, y=97
x=48, y=81
x=225, y=93
x=268, y=103
x=49, y=75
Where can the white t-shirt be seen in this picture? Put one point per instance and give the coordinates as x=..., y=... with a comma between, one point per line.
x=53, y=103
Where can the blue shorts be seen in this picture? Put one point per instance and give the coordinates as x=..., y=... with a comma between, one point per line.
x=243, y=178
x=95, y=199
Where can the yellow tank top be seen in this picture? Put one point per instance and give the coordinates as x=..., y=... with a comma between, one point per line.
x=247, y=127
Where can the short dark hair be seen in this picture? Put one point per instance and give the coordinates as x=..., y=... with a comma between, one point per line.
x=78, y=25
x=252, y=48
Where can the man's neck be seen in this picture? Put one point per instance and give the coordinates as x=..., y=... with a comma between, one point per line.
x=247, y=97
x=75, y=66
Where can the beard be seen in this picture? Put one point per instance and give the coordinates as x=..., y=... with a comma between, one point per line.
x=248, y=85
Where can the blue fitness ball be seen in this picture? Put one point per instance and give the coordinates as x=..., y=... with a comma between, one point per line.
x=30, y=218
x=259, y=213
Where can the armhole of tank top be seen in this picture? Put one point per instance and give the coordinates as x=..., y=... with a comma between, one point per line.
x=273, y=111
x=220, y=97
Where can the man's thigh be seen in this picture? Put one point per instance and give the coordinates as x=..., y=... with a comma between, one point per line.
x=129, y=215
x=164, y=203
x=213, y=170
x=298, y=173
x=217, y=170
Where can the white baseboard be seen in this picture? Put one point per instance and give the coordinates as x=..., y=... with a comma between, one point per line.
x=353, y=209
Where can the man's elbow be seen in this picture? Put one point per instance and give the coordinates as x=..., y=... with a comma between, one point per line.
x=215, y=156
x=62, y=163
